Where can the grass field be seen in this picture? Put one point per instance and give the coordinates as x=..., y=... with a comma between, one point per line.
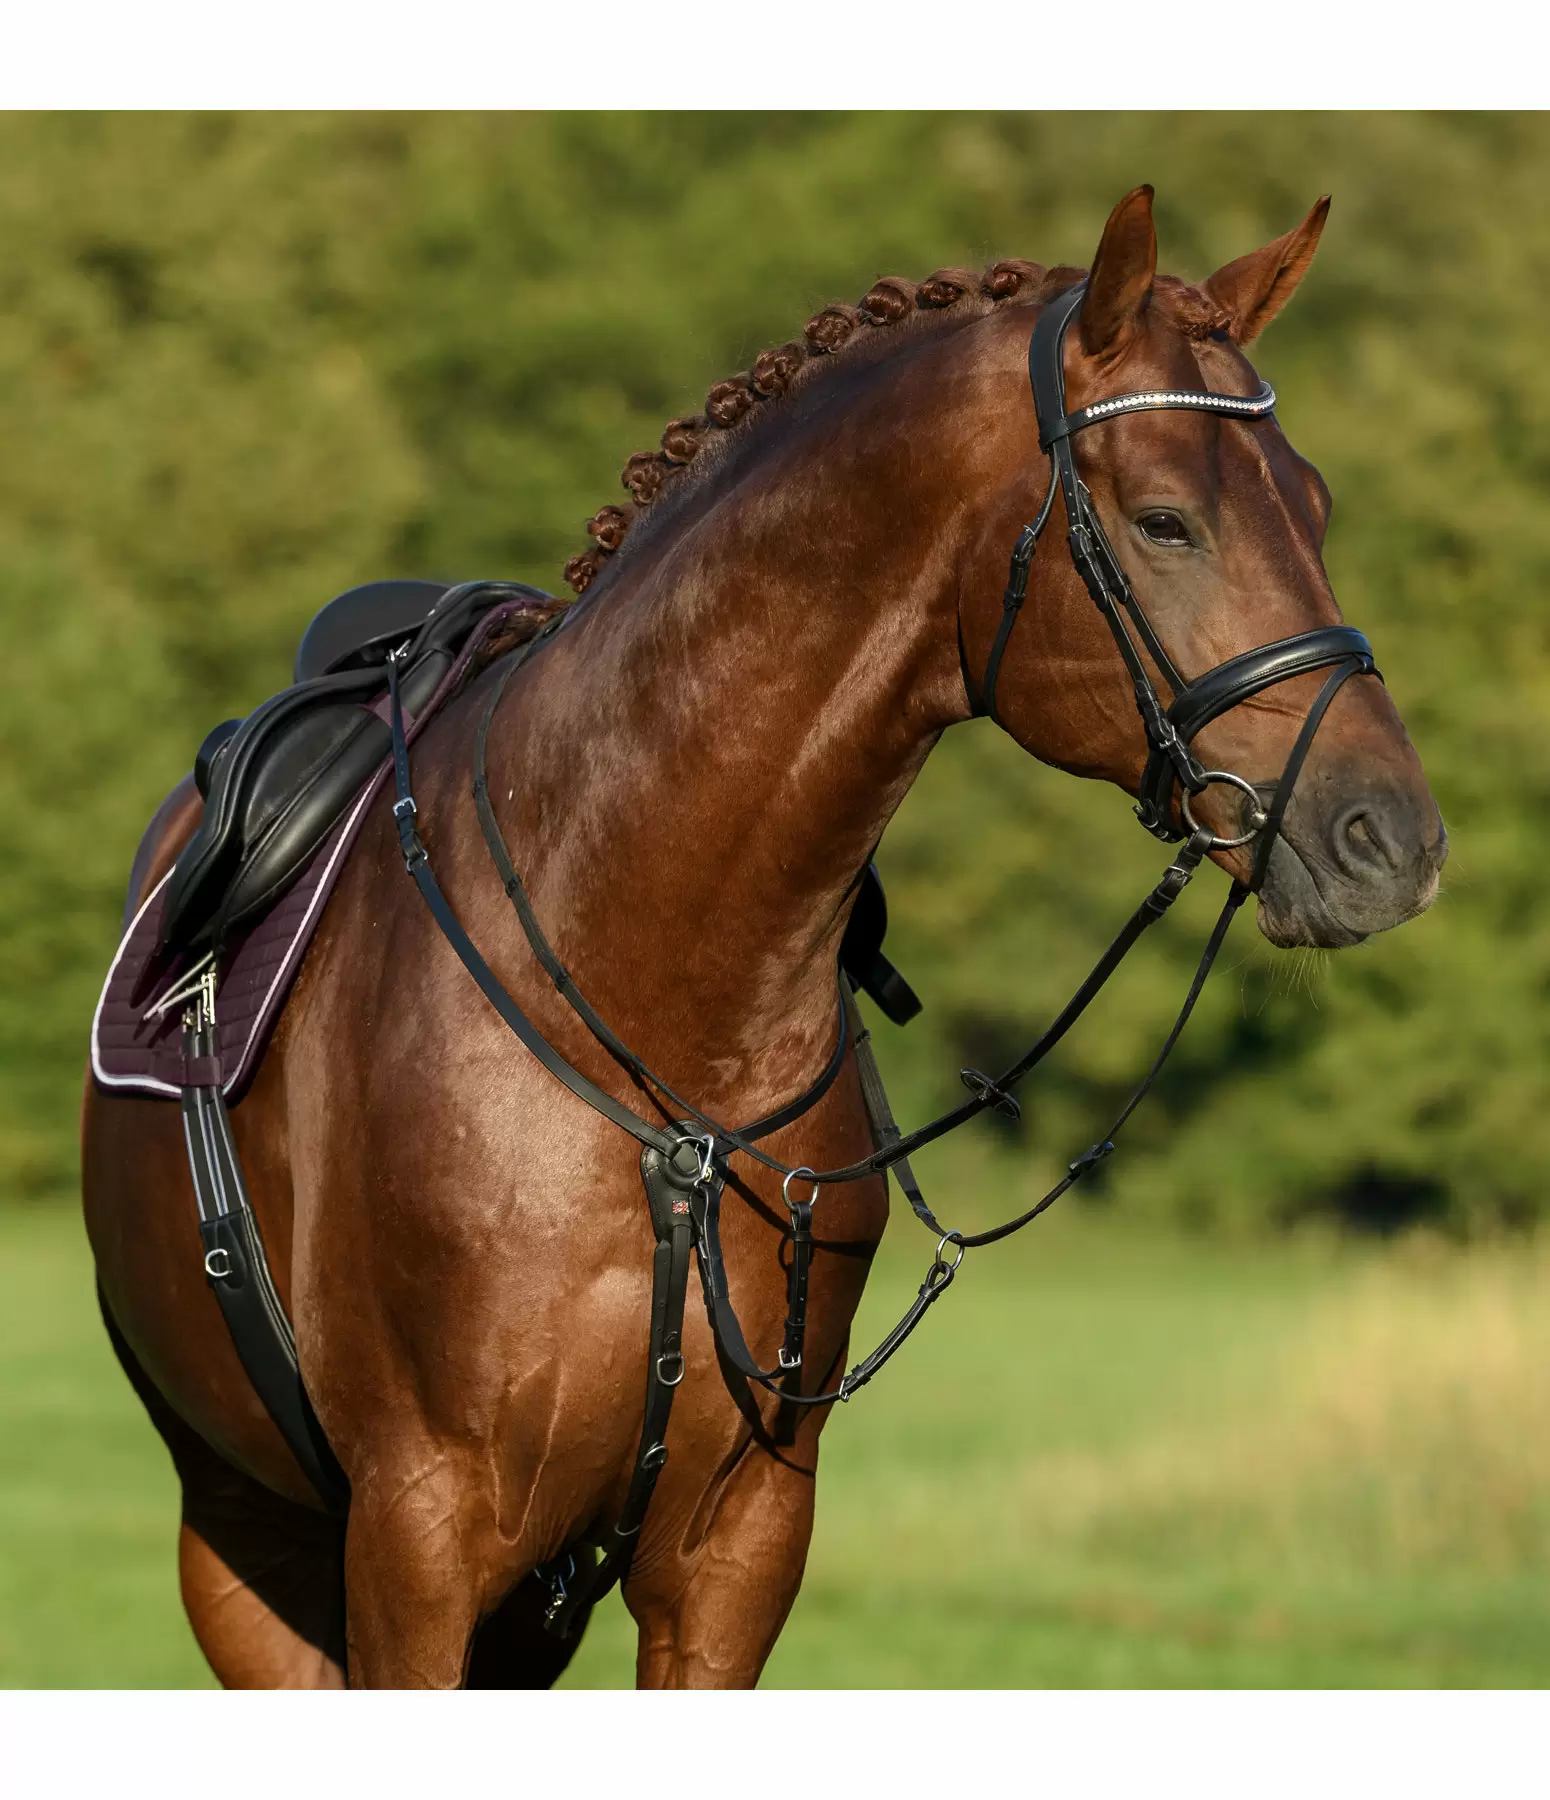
x=1112, y=1457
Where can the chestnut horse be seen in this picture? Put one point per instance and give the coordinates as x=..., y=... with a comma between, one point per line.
x=778, y=627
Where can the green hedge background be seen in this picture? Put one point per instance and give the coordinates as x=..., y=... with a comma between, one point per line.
x=246, y=362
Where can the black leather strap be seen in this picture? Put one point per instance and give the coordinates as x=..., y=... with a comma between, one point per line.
x=576, y=1586
x=1271, y=829
x=418, y=864
x=725, y=1139
x=239, y=1276
x=566, y=986
x=886, y=1133
x=1240, y=678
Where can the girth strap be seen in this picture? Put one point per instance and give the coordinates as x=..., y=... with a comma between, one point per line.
x=239, y=1275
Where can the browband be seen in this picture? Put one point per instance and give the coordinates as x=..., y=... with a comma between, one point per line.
x=1048, y=375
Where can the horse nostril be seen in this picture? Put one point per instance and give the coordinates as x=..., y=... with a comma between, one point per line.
x=1361, y=840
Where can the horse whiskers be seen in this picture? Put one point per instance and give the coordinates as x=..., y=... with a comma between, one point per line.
x=1300, y=968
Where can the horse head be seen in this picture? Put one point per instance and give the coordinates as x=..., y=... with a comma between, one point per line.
x=1209, y=530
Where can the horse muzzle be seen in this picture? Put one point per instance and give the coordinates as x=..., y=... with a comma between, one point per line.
x=1353, y=858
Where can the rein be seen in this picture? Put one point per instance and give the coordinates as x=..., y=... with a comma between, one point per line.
x=683, y=1163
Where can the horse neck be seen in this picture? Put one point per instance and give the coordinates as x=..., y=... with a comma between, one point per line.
x=721, y=735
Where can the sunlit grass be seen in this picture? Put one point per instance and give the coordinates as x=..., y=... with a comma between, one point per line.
x=1112, y=1456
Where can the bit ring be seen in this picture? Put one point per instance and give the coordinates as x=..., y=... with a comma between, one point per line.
x=1257, y=816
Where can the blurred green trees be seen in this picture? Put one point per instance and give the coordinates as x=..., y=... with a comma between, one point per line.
x=246, y=362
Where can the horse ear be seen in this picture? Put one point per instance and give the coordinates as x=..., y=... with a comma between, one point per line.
x=1120, y=283
x=1252, y=290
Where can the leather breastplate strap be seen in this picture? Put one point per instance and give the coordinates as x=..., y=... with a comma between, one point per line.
x=575, y=1586
x=716, y=1141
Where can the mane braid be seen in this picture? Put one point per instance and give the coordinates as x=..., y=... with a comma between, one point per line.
x=735, y=405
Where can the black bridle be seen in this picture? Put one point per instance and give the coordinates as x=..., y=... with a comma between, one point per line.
x=1170, y=765
x=684, y=1162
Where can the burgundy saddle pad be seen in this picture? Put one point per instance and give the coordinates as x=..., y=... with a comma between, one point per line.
x=136, y=1049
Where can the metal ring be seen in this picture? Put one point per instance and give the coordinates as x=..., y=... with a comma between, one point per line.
x=670, y=1356
x=218, y=1274
x=1257, y=818
x=951, y=1237
x=807, y=1174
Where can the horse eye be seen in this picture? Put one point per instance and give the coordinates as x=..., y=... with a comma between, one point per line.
x=1165, y=528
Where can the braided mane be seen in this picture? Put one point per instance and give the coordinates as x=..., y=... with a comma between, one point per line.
x=830, y=338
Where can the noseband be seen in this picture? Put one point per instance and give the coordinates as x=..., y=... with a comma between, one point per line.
x=1171, y=766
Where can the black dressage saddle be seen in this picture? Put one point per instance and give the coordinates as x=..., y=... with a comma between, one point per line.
x=277, y=782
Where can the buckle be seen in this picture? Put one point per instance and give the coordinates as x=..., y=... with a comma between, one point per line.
x=984, y=1089
x=1095, y=1154
x=556, y=1575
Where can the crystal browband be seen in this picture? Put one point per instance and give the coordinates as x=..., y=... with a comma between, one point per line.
x=1253, y=406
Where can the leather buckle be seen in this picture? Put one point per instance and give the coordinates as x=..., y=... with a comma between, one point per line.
x=983, y=1088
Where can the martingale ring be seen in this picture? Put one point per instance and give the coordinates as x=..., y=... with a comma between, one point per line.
x=1257, y=816
x=806, y=1174
x=950, y=1237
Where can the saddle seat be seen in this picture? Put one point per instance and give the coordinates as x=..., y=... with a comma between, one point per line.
x=277, y=782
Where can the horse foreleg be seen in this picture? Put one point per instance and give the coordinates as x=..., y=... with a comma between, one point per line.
x=709, y=1618
x=414, y=1577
